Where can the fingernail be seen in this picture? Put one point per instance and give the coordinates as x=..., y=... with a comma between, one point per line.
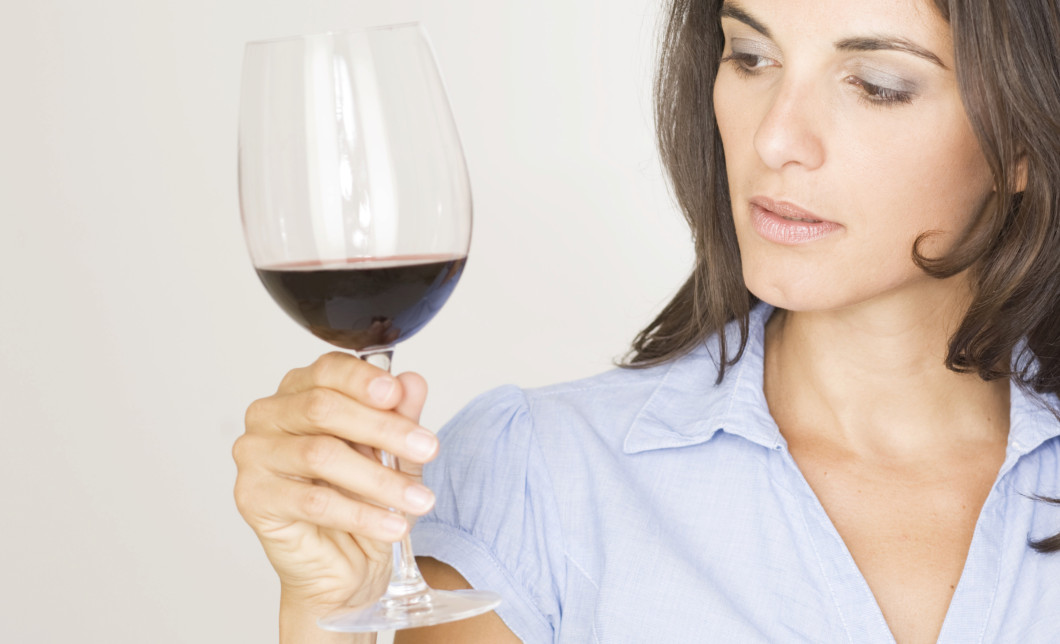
x=419, y=497
x=421, y=443
x=380, y=388
x=394, y=525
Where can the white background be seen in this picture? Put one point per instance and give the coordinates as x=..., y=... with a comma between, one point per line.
x=134, y=332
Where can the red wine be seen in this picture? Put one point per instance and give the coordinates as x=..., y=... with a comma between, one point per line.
x=364, y=303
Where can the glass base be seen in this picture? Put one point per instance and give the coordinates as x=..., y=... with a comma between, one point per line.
x=421, y=609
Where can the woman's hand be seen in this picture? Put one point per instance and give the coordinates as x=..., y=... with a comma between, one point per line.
x=311, y=486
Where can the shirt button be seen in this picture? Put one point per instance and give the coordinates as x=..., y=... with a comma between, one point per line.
x=1016, y=445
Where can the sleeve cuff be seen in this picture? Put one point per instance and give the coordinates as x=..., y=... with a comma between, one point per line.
x=472, y=559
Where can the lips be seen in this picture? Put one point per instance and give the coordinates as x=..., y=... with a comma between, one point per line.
x=785, y=223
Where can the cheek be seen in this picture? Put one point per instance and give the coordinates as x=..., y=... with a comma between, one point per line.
x=735, y=118
x=720, y=101
x=929, y=178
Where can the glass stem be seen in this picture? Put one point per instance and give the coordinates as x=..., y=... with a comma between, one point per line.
x=405, y=580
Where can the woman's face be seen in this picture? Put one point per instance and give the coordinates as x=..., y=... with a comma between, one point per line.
x=845, y=139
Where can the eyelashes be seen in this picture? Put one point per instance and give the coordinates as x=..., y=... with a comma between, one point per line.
x=879, y=95
x=747, y=65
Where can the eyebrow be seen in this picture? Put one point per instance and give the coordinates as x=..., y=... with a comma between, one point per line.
x=732, y=10
x=888, y=43
x=872, y=43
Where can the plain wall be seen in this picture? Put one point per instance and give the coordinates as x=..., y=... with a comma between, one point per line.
x=134, y=332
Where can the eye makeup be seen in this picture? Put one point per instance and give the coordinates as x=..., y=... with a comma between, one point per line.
x=878, y=87
x=749, y=56
x=884, y=79
x=754, y=47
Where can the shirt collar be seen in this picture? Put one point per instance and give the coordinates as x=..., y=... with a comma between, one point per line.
x=688, y=408
x=1032, y=420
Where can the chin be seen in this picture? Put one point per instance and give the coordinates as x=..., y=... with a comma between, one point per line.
x=789, y=292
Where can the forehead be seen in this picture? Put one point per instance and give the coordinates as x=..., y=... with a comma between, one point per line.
x=827, y=21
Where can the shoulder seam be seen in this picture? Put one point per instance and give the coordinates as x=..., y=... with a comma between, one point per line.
x=551, y=487
x=550, y=391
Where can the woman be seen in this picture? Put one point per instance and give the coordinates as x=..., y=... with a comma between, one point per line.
x=837, y=428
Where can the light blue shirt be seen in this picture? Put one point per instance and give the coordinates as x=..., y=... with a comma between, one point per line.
x=655, y=506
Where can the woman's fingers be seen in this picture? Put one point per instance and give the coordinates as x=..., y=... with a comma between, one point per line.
x=329, y=459
x=325, y=411
x=326, y=459
x=347, y=375
x=308, y=453
x=414, y=388
x=293, y=500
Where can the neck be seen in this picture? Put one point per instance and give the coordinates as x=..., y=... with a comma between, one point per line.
x=872, y=378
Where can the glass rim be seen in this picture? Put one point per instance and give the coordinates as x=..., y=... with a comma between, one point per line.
x=336, y=32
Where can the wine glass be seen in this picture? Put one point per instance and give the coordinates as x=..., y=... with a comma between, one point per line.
x=357, y=213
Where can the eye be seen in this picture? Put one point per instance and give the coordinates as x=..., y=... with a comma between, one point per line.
x=879, y=95
x=746, y=64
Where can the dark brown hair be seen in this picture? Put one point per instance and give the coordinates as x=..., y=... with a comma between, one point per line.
x=1008, y=71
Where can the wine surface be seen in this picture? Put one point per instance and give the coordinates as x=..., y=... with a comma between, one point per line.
x=364, y=303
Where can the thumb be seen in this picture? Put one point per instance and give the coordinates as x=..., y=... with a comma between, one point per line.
x=415, y=390
x=415, y=394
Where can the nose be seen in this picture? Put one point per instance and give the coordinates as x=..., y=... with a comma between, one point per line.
x=790, y=130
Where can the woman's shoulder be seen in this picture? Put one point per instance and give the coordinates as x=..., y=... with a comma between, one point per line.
x=604, y=412
x=615, y=388
x=682, y=401
x=603, y=392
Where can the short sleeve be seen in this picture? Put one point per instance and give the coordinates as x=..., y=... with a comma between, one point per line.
x=495, y=518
